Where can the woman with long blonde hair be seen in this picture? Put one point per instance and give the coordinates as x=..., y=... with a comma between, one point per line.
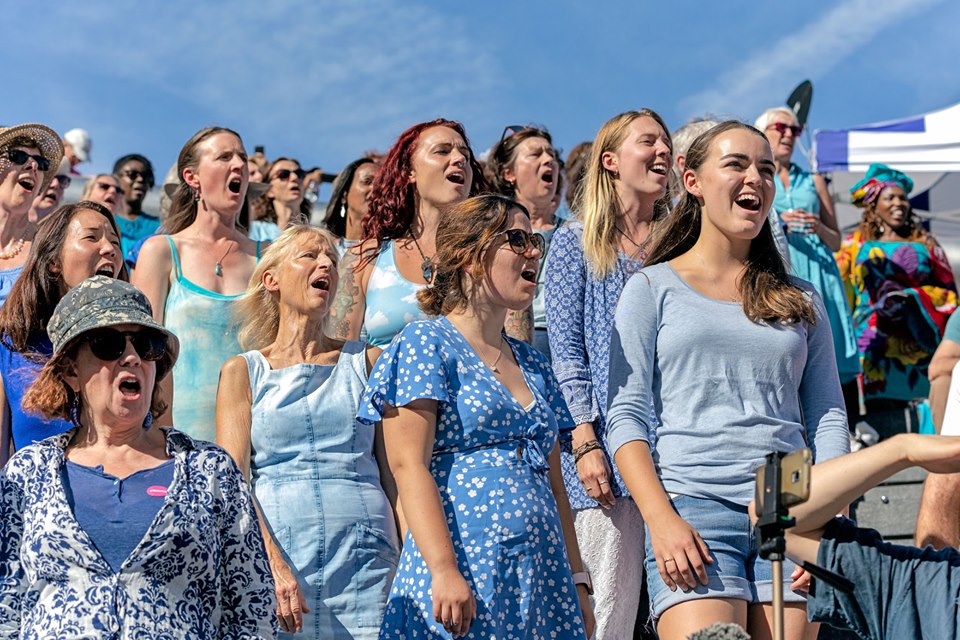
x=286, y=412
x=625, y=193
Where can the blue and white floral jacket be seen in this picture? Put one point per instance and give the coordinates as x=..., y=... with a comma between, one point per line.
x=199, y=572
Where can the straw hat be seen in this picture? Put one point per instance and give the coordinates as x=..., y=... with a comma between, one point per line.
x=51, y=147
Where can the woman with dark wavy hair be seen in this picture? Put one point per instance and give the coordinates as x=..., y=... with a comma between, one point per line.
x=75, y=242
x=429, y=167
x=717, y=358
x=348, y=204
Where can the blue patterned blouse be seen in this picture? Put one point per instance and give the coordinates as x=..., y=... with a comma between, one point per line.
x=199, y=572
x=580, y=310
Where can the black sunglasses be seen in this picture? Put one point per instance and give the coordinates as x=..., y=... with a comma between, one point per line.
x=63, y=180
x=284, y=174
x=133, y=174
x=110, y=344
x=520, y=241
x=512, y=130
x=19, y=156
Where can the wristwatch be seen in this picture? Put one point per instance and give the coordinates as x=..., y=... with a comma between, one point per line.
x=583, y=577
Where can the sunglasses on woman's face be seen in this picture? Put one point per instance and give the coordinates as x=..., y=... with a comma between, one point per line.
x=520, y=241
x=284, y=174
x=19, y=156
x=110, y=344
x=783, y=127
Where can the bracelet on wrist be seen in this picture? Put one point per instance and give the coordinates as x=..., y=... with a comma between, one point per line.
x=584, y=449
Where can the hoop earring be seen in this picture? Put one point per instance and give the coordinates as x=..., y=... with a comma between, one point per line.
x=75, y=411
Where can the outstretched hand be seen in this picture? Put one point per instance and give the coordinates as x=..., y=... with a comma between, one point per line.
x=936, y=454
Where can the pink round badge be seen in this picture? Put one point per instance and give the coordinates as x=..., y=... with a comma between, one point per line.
x=156, y=491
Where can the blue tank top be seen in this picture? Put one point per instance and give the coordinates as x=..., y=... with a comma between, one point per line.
x=391, y=299
x=203, y=321
x=7, y=278
x=18, y=374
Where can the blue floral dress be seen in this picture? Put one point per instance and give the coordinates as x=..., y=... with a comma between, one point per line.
x=490, y=464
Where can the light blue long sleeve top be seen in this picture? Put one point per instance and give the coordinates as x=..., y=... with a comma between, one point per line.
x=726, y=391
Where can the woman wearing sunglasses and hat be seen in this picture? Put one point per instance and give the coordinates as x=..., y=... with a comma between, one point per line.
x=29, y=157
x=116, y=528
x=900, y=287
x=471, y=419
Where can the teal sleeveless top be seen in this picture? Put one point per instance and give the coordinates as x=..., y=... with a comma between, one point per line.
x=203, y=321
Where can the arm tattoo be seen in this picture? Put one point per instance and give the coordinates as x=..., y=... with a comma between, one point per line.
x=348, y=297
x=519, y=325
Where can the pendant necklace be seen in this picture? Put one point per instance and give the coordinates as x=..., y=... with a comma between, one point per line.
x=493, y=366
x=638, y=252
x=426, y=267
x=218, y=269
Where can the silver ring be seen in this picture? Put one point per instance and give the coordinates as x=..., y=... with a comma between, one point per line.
x=669, y=560
x=604, y=482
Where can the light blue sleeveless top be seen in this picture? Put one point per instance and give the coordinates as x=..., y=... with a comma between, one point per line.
x=317, y=482
x=391, y=299
x=203, y=321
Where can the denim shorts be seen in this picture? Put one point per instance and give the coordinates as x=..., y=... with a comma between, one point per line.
x=737, y=571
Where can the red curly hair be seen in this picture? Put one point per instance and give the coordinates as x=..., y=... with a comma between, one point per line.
x=392, y=205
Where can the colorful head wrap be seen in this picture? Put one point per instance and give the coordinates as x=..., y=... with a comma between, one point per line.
x=878, y=178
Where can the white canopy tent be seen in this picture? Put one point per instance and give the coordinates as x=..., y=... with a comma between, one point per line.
x=926, y=147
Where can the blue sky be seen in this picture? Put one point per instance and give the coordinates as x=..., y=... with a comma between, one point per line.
x=325, y=81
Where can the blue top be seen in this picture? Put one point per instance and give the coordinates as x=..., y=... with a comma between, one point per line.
x=18, y=373
x=200, y=571
x=952, y=330
x=580, y=310
x=7, y=278
x=317, y=481
x=802, y=193
x=391, y=302
x=490, y=464
x=115, y=512
x=134, y=232
x=812, y=260
x=264, y=230
x=900, y=592
x=539, y=304
x=726, y=391
x=204, y=322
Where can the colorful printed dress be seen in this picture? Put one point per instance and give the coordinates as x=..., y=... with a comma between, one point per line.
x=490, y=464
x=901, y=294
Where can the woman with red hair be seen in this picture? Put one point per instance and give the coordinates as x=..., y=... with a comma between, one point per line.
x=430, y=166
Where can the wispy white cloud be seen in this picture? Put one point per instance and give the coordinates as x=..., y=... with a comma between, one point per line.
x=810, y=52
x=325, y=79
